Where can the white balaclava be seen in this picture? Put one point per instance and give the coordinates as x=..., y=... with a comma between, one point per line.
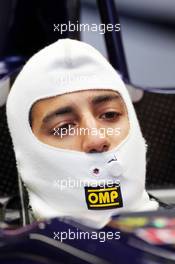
x=99, y=185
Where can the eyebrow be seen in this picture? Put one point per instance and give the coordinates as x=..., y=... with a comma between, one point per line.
x=69, y=110
x=104, y=98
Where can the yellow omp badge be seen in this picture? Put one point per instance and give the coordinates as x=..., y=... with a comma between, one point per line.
x=103, y=197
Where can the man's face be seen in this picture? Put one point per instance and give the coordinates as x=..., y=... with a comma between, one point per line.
x=88, y=121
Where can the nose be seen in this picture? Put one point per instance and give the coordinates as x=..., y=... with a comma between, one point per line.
x=95, y=145
x=94, y=142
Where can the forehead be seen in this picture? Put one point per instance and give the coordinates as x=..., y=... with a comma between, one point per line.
x=86, y=95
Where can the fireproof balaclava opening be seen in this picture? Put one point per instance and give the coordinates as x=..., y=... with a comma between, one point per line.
x=86, y=187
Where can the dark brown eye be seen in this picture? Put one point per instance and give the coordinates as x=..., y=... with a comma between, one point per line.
x=110, y=115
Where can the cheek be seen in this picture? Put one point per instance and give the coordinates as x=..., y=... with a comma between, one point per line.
x=71, y=142
x=122, y=128
x=125, y=127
